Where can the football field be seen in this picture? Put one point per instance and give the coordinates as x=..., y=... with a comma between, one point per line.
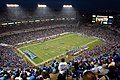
x=50, y=49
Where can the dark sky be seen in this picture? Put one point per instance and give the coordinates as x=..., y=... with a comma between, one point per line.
x=78, y=4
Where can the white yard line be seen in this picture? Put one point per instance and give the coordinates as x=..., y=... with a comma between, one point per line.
x=39, y=56
x=90, y=42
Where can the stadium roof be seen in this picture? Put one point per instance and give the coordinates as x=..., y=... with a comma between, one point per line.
x=77, y=4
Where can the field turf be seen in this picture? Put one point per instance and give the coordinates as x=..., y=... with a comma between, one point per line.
x=60, y=45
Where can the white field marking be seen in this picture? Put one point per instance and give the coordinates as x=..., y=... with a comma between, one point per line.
x=38, y=55
x=27, y=57
x=90, y=42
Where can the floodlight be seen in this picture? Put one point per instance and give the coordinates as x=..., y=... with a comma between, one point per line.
x=110, y=16
x=93, y=15
x=31, y=21
x=11, y=23
x=37, y=20
x=4, y=24
x=93, y=21
x=51, y=19
x=12, y=5
x=104, y=22
x=67, y=6
x=42, y=5
x=72, y=18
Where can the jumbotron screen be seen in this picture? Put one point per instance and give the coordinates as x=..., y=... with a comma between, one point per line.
x=102, y=19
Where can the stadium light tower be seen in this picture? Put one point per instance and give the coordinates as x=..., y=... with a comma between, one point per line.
x=42, y=5
x=12, y=5
x=67, y=6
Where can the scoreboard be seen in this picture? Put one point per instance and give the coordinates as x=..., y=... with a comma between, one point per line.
x=102, y=19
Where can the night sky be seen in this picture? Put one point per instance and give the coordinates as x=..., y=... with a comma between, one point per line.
x=77, y=4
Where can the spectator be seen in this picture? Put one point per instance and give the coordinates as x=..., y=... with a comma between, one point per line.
x=104, y=70
x=24, y=76
x=61, y=77
x=45, y=75
x=88, y=75
x=63, y=66
x=76, y=71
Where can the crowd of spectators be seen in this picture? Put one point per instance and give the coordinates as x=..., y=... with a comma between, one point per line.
x=10, y=59
x=103, y=60
x=27, y=36
x=104, y=67
x=26, y=25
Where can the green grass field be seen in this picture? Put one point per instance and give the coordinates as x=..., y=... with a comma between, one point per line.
x=58, y=46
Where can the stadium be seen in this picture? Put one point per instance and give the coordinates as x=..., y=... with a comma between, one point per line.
x=59, y=40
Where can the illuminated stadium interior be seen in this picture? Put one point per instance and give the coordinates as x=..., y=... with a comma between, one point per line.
x=59, y=40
